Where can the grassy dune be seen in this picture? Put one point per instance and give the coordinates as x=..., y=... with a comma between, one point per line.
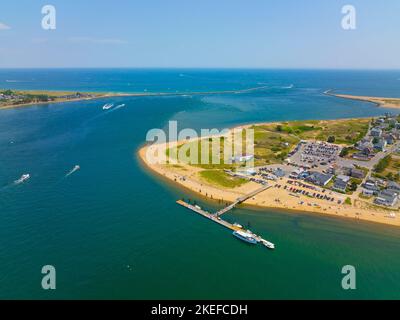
x=275, y=140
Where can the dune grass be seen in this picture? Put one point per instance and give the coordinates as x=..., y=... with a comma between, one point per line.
x=222, y=179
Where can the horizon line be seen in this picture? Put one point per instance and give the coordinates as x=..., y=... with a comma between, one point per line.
x=211, y=68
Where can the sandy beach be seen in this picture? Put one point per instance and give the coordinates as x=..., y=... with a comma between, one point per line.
x=188, y=177
x=379, y=101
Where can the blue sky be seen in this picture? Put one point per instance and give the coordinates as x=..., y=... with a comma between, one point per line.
x=201, y=33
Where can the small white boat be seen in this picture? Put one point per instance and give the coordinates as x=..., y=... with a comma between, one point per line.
x=268, y=244
x=73, y=170
x=108, y=106
x=23, y=178
x=238, y=225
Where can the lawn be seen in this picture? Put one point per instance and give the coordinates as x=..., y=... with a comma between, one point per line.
x=274, y=141
x=346, y=132
x=220, y=178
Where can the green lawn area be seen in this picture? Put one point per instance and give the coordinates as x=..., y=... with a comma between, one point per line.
x=274, y=141
x=388, y=167
x=347, y=131
x=220, y=178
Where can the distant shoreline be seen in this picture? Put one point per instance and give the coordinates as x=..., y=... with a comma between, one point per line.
x=383, y=102
x=101, y=95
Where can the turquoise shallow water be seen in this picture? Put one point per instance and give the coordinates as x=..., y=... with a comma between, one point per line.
x=113, y=230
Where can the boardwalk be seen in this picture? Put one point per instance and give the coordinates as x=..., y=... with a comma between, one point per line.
x=208, y=215
x=241, y=200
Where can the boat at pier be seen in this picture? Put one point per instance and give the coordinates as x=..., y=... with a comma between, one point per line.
x=245, y=236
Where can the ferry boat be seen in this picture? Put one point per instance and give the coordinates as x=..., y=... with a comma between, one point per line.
x=108, y=106
x=245, y=236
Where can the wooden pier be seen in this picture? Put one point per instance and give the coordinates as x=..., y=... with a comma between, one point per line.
x=208, y=215
x=241, y=200
x=215, y=217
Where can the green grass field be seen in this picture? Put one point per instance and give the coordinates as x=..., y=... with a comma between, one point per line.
x=272, y=143
x=219, y=177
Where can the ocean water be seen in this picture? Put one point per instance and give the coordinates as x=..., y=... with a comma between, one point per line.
x=113, y=230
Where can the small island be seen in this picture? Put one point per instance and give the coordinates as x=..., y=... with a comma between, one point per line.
x=346, y=168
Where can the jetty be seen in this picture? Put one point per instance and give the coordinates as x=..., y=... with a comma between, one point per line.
x=215, y=217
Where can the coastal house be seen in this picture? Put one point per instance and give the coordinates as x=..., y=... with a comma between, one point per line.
x=357, y=173
x=389, y=138
x=364, y=143
x=387, y=198
x=384, y=126
x=380, y=120
x=331, y=170
x=376, y=132
x=371, y=185
x=367, y=192
x=341, y=183
x=361, y=156
x=320, y=179
x=380, y=145
x=366, y=151
x=391, y=185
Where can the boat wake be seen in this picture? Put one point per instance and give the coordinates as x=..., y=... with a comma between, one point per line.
x=115, y=108
x=23, y=178
x=74, y=169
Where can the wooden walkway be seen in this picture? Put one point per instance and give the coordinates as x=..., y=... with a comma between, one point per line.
x=241, y=200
